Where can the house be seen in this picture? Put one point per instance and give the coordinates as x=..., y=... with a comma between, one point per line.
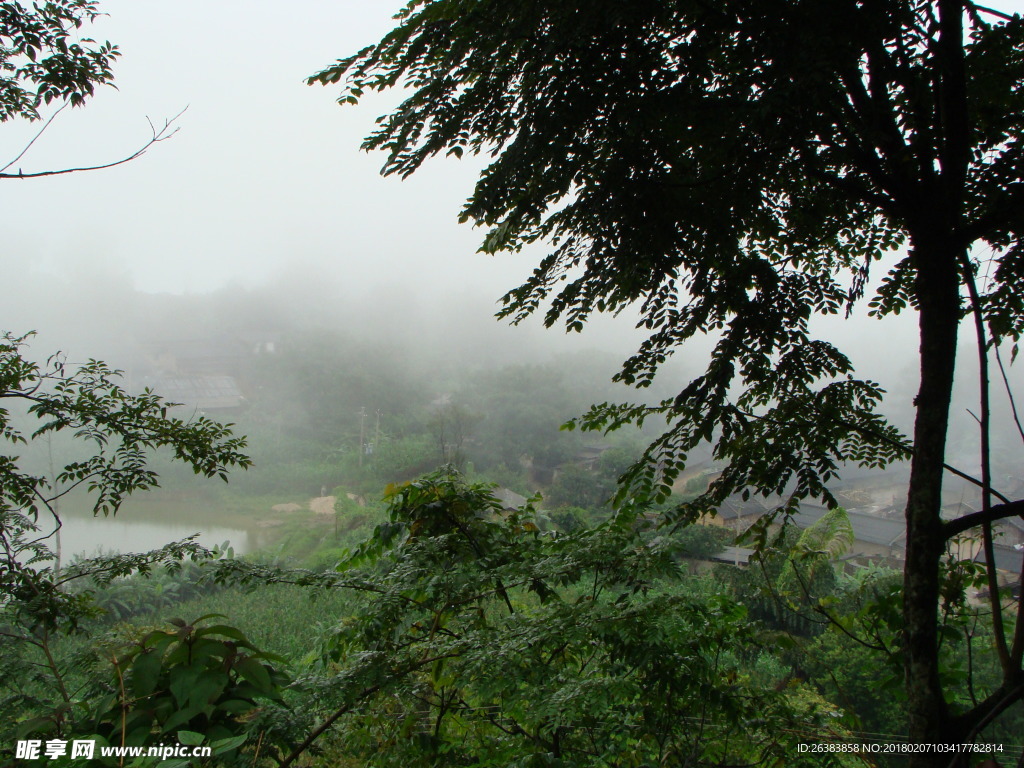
x=736, y=513
x=200, y=372
x=203, y=392
x=734, y=556
x=510, y=500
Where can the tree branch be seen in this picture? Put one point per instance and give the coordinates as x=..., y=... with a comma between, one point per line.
x=998, y=702
x=985, y=424
x=162, y=134
x=365, y=693
x=908, y=447
x=40, y=133
x=951, y=528
x=1009, y=392
x=991, y=11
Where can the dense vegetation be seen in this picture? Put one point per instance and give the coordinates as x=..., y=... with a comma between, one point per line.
x=426, y=620
x=442, y=628
x=566, y=632
x=738, y=169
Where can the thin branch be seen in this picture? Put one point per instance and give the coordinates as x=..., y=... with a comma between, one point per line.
x=992, y=12
x=58, y=522
x=40, y=133
x=365, y=693
x=968, y=645
x=51, y=662
x=124, y=702
x=162, y=134
x=480, y=553
x=977, y=482
x=951, y=528
x=904, y=446
x=994, y=706
x=1009, y=392
x=830, y=619
x=23, y=639
x=1017, y=646
x=984, y=420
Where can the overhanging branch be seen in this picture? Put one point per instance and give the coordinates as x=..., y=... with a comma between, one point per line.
x=164, y=133
x=991, y=11
x=952, y=528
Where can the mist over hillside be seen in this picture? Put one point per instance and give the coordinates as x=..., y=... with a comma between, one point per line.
x=309, y=359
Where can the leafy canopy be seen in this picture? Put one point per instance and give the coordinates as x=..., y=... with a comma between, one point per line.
x=734, y=170
x=41, y=59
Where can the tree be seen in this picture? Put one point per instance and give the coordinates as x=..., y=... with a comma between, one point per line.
x=451, y=423
x=479, y=640
x=735, y=169
x=118, y=431
x=41, y=62
x=520, y=408
x=40, y=401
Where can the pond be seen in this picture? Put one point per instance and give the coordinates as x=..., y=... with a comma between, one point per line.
x=141, y=526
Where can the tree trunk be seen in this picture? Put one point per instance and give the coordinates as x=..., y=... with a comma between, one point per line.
x=937, y=290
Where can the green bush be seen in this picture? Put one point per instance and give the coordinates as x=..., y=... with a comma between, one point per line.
x=191, y=683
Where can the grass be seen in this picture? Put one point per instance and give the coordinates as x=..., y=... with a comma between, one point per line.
x=283, y=619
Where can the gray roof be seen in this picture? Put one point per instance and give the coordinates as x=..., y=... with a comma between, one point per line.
x=205, y=393
x=892, y=533
x=1016, y=522
x=734, y=556
x=736, y=507
x=509, y=499
x=869, y=528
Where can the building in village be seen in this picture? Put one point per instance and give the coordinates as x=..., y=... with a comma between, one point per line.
x=879, y=529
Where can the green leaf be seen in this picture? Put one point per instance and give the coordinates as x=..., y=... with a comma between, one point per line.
x=146, y=670
x=255, y=673
x=190, y=738
x=220, y=746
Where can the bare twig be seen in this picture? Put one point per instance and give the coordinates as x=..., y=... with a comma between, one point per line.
x=162, y=134
x=1009, y=392
x=40, y=133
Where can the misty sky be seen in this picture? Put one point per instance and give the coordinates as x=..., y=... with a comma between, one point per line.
x=265, y=175
x=264, y=182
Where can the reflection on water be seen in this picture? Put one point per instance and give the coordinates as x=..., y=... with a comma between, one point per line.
x=148, y=523
x=89, y=536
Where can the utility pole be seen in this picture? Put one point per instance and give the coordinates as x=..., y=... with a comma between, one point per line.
x=376, y=437
x=362, y=435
